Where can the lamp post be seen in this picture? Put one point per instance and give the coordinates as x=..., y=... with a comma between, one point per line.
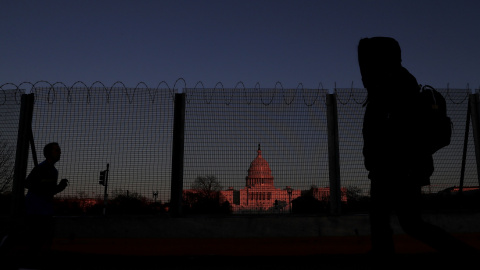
x=155, y=195
x=289, y=192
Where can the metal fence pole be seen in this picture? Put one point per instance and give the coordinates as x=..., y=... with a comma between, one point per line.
x=465, y=147
x=21, y=156
x=333, y=155
x=177, y=156
x=474, y=102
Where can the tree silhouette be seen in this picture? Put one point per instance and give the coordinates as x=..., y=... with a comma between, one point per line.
x=6, y=166
x=207, y=186
x=205, y=196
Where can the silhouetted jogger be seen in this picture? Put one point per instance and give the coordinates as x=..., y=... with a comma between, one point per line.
x=42, y=184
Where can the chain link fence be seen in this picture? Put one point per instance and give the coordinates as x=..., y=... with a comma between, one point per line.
x=131, y=129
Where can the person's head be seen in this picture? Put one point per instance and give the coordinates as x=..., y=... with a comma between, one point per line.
x=377, y=57
x=52, y=152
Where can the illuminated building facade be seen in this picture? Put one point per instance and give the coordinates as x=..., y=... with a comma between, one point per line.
x=259, y=193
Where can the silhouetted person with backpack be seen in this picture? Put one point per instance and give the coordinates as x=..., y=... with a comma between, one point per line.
x=396, y=152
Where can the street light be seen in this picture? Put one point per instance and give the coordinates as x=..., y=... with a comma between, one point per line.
x=289, y=192
x=155, y=195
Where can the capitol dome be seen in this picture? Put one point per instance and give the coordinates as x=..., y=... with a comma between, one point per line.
x=259, y=171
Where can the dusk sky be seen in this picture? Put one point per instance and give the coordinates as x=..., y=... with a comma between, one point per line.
x=293, y=42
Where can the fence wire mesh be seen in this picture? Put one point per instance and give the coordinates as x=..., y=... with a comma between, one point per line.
x=448, y=161
x=224, y=128
x=9, y=113
x=131, y=129
x=128, y=128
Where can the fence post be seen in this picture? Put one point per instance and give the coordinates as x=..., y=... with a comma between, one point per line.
x=465, y=147
x=333, y=155
x=474, y=102
x=177, y=156
x=21, y=155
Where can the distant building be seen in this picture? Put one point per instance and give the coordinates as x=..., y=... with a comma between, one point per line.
x=260, y=194
x=83, y=203
x=455, y=190
x=323, y=194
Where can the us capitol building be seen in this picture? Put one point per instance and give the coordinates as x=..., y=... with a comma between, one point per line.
x=260, y=194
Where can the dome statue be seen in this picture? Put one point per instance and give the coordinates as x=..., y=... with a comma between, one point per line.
x=259, y=172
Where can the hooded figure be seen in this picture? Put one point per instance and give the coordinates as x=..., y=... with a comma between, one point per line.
x=392, y=130
x=395, y=153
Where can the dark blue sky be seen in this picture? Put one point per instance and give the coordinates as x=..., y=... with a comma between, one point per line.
x=229, y=41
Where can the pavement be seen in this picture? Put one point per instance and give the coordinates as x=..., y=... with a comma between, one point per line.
x=237, y=247
x=254, y=253
x=337, y=262
x=239, y=243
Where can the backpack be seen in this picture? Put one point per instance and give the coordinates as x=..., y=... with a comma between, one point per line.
x=436, y=122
